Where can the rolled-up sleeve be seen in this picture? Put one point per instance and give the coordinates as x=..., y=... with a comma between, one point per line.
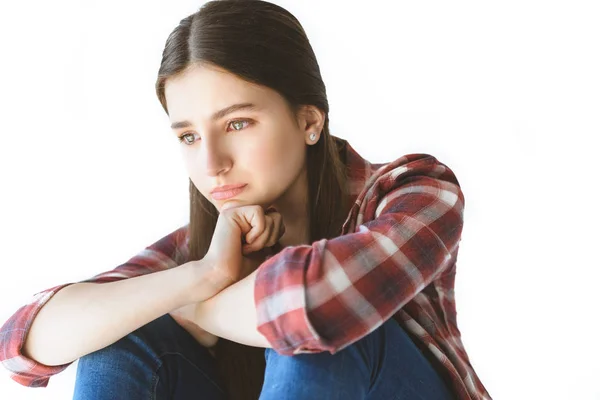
x=403, y=233
x=168, y=252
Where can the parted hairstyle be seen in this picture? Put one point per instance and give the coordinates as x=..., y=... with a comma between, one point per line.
x=264, y=44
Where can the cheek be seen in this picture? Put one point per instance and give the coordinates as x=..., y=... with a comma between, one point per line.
x=260, y=160
x=195, y=174
x=275, y=159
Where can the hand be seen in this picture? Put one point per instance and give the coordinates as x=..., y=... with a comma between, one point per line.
x=260, y=229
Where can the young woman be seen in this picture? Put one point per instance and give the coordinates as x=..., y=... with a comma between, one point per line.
x=305, y=272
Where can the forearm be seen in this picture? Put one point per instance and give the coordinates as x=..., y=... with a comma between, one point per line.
x=231, y=314
x=85, y=317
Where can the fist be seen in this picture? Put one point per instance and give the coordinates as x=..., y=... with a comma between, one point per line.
x=239, y=233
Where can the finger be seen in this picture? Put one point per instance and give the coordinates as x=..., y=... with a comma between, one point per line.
x=271, y=210
x=236, y=217
x=261, y=222
x=246, y=249
x=260, y=241
x=276, y=231
x=267, y=231
x=256, y=218
x=282, y=231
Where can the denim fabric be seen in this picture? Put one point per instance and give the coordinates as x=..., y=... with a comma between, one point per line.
x=161, y=360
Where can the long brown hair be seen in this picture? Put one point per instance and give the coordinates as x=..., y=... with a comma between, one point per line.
x=264, y=44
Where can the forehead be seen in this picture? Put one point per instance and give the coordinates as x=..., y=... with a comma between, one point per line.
x=201, y=90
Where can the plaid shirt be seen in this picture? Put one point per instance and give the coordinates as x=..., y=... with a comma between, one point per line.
x=395, y=258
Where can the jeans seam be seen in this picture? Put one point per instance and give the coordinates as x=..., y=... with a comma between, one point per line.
x=154, y=383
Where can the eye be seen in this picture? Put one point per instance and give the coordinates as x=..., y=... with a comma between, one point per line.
x=239, y=123
x=183, y=137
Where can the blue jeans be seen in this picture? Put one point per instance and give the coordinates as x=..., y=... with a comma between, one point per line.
x=161, y=360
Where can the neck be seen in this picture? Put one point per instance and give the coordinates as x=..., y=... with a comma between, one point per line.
x=293, y=208
x=296, y=232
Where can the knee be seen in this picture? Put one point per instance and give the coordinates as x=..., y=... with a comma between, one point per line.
x=315, y=375
x=141, y=344
x=126, y=351
x=126, y=366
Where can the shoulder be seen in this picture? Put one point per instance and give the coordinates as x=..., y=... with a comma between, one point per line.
x=416, y=181
x=411, y=170
x=364, y=174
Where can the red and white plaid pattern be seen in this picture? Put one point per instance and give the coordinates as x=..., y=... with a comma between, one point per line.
x=396, y=258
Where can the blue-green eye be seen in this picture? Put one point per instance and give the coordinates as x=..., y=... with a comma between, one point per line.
x=239, y=123
x=182, y=138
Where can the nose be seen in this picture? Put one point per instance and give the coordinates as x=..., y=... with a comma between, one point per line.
x=215, y=157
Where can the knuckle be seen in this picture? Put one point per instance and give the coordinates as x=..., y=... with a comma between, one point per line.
x=259, y=242
x=258, y=209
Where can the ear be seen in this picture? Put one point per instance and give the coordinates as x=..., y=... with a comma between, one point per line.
x=312, y=120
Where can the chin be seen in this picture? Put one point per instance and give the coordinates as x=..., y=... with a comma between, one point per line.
x=239, y=203
x=229, y=204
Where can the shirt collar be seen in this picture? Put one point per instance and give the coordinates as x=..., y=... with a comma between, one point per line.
x=358, y=168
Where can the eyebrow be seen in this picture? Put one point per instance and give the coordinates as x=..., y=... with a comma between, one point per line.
x=219, y=114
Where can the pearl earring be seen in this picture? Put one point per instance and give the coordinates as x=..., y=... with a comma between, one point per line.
x=313, y=136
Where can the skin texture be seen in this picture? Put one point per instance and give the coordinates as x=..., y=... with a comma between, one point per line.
x=265, y=149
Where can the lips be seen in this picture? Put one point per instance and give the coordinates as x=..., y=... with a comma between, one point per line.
x=227, y=192
x=227, y=187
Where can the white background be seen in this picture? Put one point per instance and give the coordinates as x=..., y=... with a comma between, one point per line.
x=507, y=94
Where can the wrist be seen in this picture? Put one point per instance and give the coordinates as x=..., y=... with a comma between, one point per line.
x=207, y=280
